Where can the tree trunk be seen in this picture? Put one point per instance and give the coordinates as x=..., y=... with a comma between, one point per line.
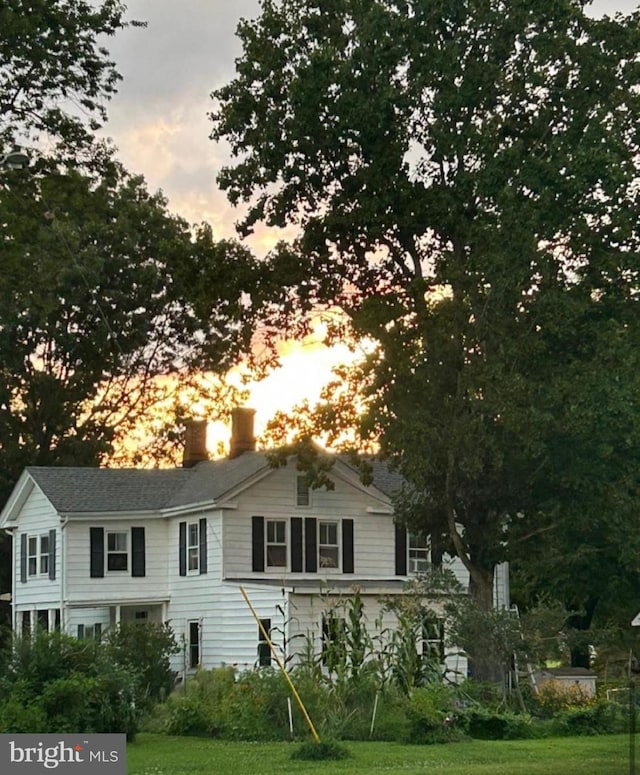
x=481, y=587
x=486, y=664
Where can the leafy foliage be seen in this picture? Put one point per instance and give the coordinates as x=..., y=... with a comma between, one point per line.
x=464, y=180
x=53, y=683
x=55, y=76
x=118, y=304
x=145, y=651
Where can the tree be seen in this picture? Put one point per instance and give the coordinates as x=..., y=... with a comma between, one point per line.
x=55, y=77
x=103, y=316
x=465, y=182
x=117, y=304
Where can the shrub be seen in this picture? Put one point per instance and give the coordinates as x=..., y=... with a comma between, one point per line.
x=257, y=708
x=54, y=683
x=312, y=751
x=485, y=724
x=198, y=707
x=597, y=718
x=144, y=650
x=430, y=715
x=554, y=697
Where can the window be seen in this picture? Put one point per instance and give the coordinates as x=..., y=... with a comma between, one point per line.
x=117, y=557
x=418, y=554
x=193, y=547
x=276, y=543
x=141, y=616
x=44, y=553
x=328, y=544
x=90, y=631
x=264, y=651
x=39, y=550
x=194, y=644
x=302, y=491
x=433, y=640
x=33, y=555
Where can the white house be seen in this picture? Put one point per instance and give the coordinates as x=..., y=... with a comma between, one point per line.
x=97, y=546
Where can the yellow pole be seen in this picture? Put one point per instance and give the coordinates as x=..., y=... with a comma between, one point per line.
x=265, y=635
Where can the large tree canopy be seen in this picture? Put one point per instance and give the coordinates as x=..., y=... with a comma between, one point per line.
x=465, y=178
x=102, y=292
x=55, y=74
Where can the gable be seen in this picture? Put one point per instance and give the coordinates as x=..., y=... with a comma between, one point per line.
x=12, y=509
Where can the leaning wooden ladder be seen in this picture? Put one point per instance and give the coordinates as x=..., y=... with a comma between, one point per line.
x=517, y=672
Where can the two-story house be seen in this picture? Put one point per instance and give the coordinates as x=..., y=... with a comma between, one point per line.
x=93, y=547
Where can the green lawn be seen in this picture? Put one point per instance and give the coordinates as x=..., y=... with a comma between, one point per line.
x=602, y=755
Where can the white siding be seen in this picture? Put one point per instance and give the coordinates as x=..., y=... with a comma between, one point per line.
x=39, y=592
x=306, y=624
x=116, y=585
x=194, y=597
x=274, y=497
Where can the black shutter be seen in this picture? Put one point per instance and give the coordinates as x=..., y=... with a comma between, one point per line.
x=203, y=545
x=257, y=543
x=347, y=546
x=23, y=558
x=296, y=545
x=52, y=555
x=401, y=551
x=182, y=548
x=96, y=567
x=310, y=545
x=138, y=552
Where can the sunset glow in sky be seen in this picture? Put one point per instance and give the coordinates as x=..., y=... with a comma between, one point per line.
x=159, y=123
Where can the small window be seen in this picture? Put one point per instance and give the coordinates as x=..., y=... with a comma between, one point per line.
x=418, y=554
x=141, y=616
x=194, y=644
x=264, y=651
x=302, y=491
x=33, y=555
x=433, y=640
x=44, y=553
x=117, y=558
x=276, y=543
x=193, y=547
x=328, y=548
x=90, y=631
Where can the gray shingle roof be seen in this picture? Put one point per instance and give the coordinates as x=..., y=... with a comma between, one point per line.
x=108, y=489
x=94, y=490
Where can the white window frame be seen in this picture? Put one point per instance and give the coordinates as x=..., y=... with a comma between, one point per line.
x=326, y=547
x=195, y=648
x=33, y=544
x=44, y=557
x=116, y=550
x=276, y=539
x=89, y=631
x=433, y=642
x=303, y=492
x=193, y=547
x=418, y=554
x=264, y=650
x=37, y=559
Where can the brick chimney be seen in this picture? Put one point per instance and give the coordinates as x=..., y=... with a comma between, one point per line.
x=242, y=438
x=195, y=443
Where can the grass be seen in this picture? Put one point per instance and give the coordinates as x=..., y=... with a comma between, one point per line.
x=602, y=755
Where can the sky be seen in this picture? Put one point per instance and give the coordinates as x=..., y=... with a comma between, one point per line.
x=158, y=121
